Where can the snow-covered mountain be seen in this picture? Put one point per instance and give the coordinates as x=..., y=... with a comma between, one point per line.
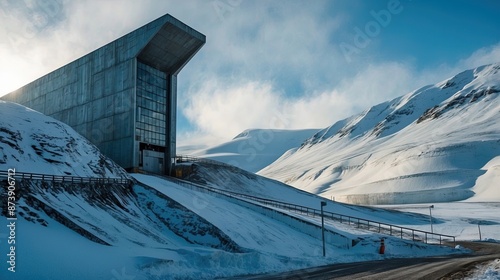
x=254, y=149
x=438, y=143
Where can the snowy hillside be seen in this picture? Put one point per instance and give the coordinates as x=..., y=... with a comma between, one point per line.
x=439, y=143
x=157, y=228
x=255, y=149
x=243, y=182
x=160, y=230
x=35, y=143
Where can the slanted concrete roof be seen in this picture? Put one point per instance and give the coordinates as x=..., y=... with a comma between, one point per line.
x=172, y=46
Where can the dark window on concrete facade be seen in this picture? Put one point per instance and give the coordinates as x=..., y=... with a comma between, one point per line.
x=151, y=105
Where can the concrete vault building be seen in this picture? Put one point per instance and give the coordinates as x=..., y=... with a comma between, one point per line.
x=122, y=96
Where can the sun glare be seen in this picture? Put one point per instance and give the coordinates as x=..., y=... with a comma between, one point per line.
x=10, y=81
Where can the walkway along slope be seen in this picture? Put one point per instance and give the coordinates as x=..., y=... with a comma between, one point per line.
x=306, y=227
x=374, y=226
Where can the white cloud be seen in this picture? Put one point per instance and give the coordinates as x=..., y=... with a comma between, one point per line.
x=317, y=110
x=224, y=109
x=483, y=56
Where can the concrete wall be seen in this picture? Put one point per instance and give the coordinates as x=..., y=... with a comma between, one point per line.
x=97, y=94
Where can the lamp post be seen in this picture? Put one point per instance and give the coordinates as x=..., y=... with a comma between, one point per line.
x=430, y=212
x=323, y=226
x=479, y=228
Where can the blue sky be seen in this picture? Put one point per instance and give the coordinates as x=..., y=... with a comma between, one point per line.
x=430, y=33
x=266, y=64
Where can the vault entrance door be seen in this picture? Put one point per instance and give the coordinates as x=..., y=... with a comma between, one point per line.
x=153, y=161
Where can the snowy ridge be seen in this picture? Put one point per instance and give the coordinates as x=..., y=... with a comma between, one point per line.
x=254, y=149
x=431, y=145
x=35, y=143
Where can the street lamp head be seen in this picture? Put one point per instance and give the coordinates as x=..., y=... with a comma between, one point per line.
x=323, y=203
x=432, y=206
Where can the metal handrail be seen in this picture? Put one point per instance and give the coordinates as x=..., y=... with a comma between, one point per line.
x=369, y=224
x=374, y=226
x=184, y=158
x=59, y=178
x=329, y=215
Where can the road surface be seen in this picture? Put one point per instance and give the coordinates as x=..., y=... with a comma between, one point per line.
x=447, y=267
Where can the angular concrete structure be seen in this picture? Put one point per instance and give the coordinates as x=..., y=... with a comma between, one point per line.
x=122, y=96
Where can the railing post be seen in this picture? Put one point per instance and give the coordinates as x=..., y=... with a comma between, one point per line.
x=323, y=226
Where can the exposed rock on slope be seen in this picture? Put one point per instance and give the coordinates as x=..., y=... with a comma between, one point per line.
x=35, y=143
